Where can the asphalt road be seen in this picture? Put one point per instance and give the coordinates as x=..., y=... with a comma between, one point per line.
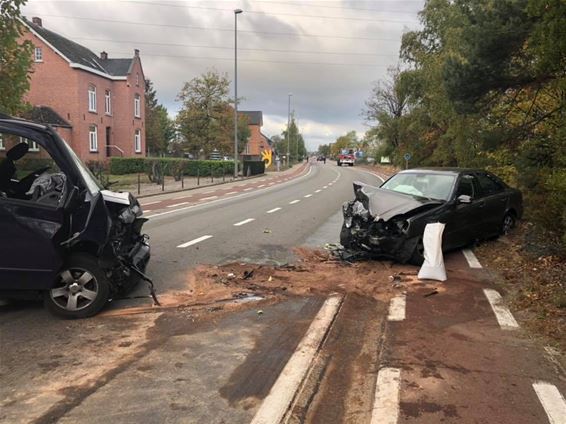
x=261, y=225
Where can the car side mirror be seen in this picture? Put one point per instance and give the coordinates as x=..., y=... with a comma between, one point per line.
x=463, y=199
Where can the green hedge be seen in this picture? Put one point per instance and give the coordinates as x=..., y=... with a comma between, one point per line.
x=170, y=166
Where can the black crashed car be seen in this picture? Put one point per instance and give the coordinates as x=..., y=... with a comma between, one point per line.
x=389, y=221
x=62, y=236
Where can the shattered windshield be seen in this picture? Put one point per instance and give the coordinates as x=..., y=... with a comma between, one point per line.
x=430, y=186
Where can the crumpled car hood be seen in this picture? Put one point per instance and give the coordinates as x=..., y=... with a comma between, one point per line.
x=386, y=204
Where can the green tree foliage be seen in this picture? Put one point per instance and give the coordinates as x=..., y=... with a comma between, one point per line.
x=15, y=58
x=324, y=150
x=484, y=84
x=295, y=143
x=346, y=141
x=206, y=119
x=159, y=129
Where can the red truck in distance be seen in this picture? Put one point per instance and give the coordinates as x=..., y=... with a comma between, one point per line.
x=347, y=157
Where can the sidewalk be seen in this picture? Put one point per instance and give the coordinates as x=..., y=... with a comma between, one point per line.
x=147, y=189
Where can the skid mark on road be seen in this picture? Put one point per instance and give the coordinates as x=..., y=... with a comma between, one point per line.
x=195, y=241
x=502, y=313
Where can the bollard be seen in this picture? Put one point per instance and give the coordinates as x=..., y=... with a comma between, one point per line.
x=223, y=172
x=211, y=173
x=139, y=183
x=162, y=178
x=198, y=175
x=182, y=179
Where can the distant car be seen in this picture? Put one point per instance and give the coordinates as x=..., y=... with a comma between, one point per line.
x=321, y=158
x=389, y=221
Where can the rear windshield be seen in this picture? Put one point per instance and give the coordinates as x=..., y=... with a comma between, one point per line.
x=430, y=186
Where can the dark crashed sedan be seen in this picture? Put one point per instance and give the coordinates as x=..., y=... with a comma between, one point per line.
x=389, y=221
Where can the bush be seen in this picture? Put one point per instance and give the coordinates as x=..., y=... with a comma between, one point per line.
x=170, y=166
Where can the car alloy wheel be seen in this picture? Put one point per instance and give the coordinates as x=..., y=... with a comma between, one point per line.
x=508, y=224
x=76, y=289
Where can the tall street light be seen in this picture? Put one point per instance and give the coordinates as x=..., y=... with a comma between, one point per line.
x=236, y=13
x=288, y=136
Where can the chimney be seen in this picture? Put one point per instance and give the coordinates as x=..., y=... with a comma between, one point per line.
x=103, y=55
x=136, y=53
x=36, y=21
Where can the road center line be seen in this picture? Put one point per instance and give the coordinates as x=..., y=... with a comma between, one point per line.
x=178, y=204
x=386, y=402
x=195, y=241
x=502, y=313
x=209, y=198
x=273, y=210
x=471, y=258
x=318, y=191
x=245, y=221
x=397, y=308
x=325, y=187
x=280, y=397
x=294, y=201
x=308, y=195
x=552, y=401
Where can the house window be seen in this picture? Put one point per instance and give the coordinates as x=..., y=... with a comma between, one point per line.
x=92, y=139
x=38, y=55
x=107, y=103
x=2, y=147
x=137, y=106
x=91, y=98
x=137, y=141
x=33, y=146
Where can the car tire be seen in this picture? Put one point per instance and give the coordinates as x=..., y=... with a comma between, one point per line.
x=81, y=289
x=508, y=223
x=417, y=258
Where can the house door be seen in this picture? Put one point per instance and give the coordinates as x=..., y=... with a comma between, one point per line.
x=108, y=144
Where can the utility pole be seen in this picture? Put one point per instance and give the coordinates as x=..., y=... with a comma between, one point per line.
x=236, y=13
x=288, y=137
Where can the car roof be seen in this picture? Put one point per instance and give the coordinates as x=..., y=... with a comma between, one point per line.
x=19, y=121
x=440, y=170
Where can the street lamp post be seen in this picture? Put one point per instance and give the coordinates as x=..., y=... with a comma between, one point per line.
x=236, y=13
x=288, y=126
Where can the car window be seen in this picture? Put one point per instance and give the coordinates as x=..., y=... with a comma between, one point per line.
x=488, y=185
x=466, y=186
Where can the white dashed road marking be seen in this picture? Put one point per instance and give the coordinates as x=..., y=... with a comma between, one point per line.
x=178, y=204
x=280, y=397
x=397, y=308
x=502, y=313
x=232, y=192
x=552, y=401
x=386, y=402
x=308, y=195
x=294, y=201
x=150, y=203
x=209, y=198
x=245, y=221
x=325, y=187
x=273, y=210
x=195, y=241
x=248, y=189
x=471, y=258
x=318, y=191
x=260, y=186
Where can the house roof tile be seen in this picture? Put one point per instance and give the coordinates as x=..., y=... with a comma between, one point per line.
x=255, y=117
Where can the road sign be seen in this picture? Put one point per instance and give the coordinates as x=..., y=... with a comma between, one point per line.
x=408, y=156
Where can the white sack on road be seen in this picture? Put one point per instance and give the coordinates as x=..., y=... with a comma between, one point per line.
x=433, y=266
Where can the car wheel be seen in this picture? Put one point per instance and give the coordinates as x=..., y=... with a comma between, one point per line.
x=508, y=223
x=417, y=258
x=81, y=289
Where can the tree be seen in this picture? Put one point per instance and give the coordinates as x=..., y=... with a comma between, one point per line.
x=15, y=58
x=295, y=143
x=206, y=119
x=346, y=141
x=324, y=149
x=159, y=129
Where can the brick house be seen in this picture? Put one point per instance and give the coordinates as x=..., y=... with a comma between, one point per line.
x=97, y=101
x=257, y=141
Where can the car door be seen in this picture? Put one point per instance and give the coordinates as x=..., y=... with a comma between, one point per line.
x=463, y=219
x=29, y=258
x=493, y=197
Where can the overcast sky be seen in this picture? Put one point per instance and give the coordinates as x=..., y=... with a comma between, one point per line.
x=328, y=54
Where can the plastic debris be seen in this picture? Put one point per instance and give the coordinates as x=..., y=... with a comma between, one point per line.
x=231, y=275
x=248, y=274
x=260, y=312
x=432, y=293
x=267, y=231
x=270, y=279
x=433, y=266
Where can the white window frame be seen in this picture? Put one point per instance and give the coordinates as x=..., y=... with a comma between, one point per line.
x=91, y=98
x=137, y=141
x=137, y=106
x=108, y=102
x=2, y=147
x=38, y=54
x=33, y=146
x=93, y=139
